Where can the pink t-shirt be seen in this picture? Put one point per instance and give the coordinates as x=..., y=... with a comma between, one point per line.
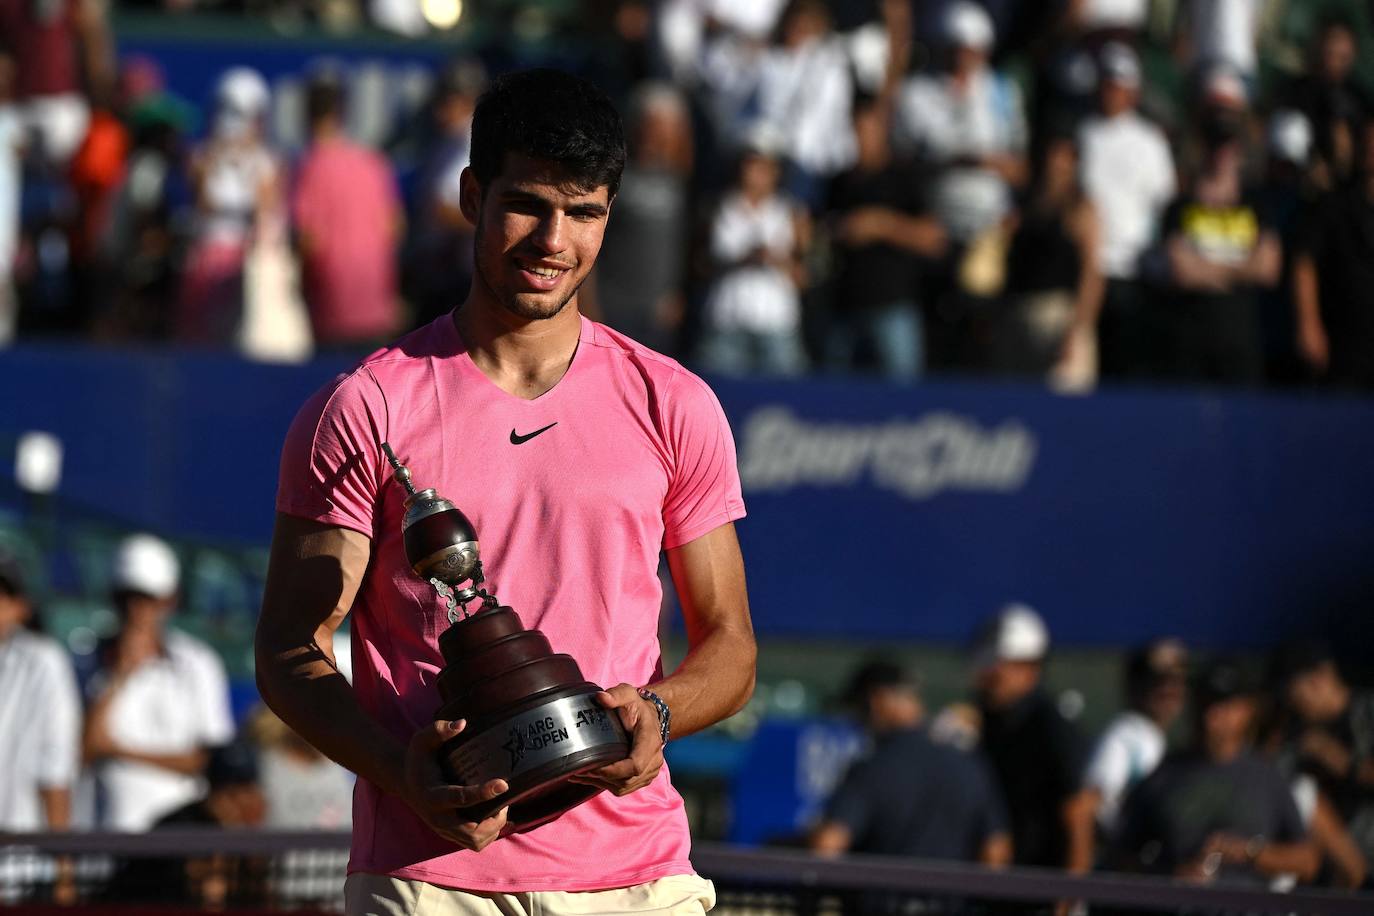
x=637, y=457
x=344, y=199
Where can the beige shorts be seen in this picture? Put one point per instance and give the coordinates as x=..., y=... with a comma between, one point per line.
x=380, y=895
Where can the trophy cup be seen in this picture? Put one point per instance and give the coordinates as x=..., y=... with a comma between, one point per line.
x=532, y=718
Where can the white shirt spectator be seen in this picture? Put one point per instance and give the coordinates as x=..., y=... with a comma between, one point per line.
x=177, y=703
x=233, y=179
x=755, y=297
x=1224, y=32
x=1128, y=171
x=40, y=727
x=805, y=95
x=305, y=794
x=1114, y=14
x=943, y=125
x=729, y=73
x=1128, y=751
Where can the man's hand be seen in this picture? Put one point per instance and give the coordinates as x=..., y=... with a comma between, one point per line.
x=640, y=719
x=437, y=801
x=1313, y=345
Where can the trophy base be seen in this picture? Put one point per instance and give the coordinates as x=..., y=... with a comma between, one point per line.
x=536, y=746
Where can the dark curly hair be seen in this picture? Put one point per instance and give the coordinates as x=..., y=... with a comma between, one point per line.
x=554, y=117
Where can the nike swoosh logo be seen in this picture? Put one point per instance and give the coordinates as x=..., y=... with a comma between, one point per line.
x=516, y=439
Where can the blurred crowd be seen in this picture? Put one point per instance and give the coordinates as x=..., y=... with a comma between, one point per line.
x=1240, y=770
x=1214, y=771
x=139, y=735
x=1117, y=189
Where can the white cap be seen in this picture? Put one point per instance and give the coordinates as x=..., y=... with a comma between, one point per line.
x=147, y=565
x=762, y=139
x=1119, y=64
x=242, y=90
x=967, y=25
x=1016, y=634
x=1290, y=136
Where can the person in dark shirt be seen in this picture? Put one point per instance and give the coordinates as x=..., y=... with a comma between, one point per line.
x=1327, y=732
x=1037, y=755
x=234, y=800
x=1217, y=811
x=1334, y=103
x=910, y=796
x=1333, y=280
x=1054, y=280
x=881, y=234
x=1221, y=250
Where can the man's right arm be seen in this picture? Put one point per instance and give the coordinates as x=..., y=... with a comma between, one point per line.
x=313, y=576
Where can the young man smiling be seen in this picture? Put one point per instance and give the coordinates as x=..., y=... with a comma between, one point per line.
x=579, y=455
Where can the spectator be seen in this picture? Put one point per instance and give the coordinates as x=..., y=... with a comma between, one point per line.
x=1036, y=753
x=1221, y=34
x=1134, y=741
x=1067, y=43
x=159, y=699
x=237, y=184
x=1335, y=104
x=803, y=97
x=11, y=150
x=234, y=797
x=234, y=801
x=1288, y=194
x=40, y=717
x=883, y=238
x=1217, y=811
x=347, y=216
x=304, y=790
x=1333, y=280
x=1054, y=280
x=641, y=275
x=910, y=796
x=968, y=123
x=1328, y=733
x=438, y=262
x=142, y=241
x=62, y=50
x=1128, y=173
x=1222, y=249
x=753, y=309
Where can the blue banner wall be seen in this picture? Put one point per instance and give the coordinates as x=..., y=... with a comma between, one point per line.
x=874, y=511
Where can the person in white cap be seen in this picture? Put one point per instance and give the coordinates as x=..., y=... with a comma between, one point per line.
x=158, y=702
x=967, y=121
x=237, y=182
x=1128, y=172
x=1036, y=753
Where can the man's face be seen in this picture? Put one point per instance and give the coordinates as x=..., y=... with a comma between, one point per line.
x=537, y=237
x=1004, y=682
x=1229, y=719
x=14, y=612
x=140, y=610
x=1166, y=699
x=1318, y=695
x=1338, y=52
x=1116, y=97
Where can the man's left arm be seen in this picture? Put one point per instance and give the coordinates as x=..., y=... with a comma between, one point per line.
x=716, y=678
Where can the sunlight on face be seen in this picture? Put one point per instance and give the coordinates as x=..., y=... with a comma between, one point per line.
x=537, y=236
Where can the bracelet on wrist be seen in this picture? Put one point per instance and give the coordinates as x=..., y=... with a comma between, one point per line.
x=660, y=707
